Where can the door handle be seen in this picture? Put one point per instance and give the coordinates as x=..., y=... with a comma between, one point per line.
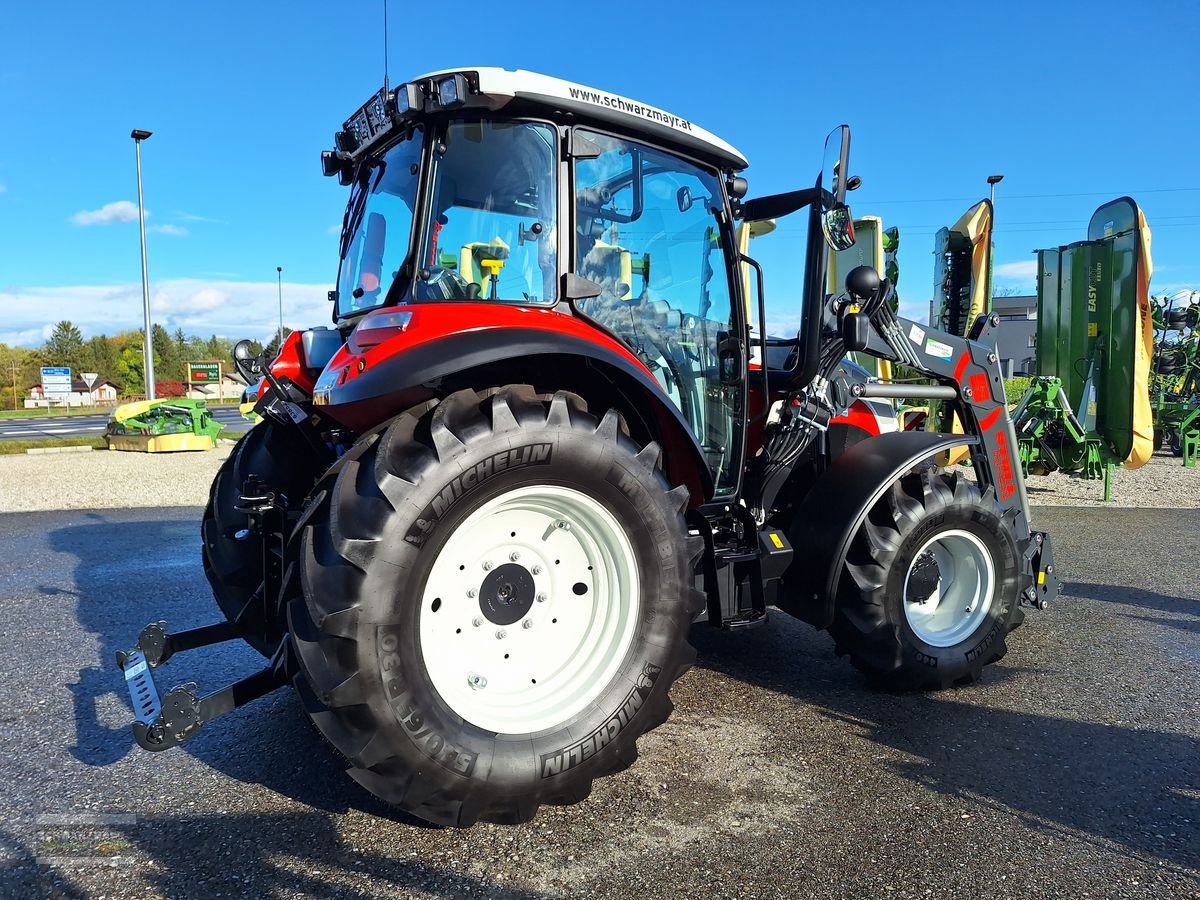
x=730, y=359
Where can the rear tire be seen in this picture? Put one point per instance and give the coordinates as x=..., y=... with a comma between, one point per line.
x=930, y=586
x=419, y=691
x=233, y=566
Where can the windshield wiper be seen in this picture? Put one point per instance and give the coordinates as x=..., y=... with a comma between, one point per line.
x=358, y=205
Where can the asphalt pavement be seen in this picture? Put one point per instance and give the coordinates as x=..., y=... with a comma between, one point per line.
x=1072, y=770
x=38, y=427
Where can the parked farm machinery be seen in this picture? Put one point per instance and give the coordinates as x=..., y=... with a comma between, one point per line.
x=481, y=514
x=1088, y=409
x=1176, y=384
x=162, y=426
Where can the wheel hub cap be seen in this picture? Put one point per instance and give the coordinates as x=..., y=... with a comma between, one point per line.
x=517, y=648
x=506, y=595
x=949, y=588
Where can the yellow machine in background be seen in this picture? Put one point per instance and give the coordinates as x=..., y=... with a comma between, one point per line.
x=162, y=426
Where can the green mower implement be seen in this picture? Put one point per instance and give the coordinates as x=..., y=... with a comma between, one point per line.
x=1089, y=408
x=162, y=426
x=1176, y=383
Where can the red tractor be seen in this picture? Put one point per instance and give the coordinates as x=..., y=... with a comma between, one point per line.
x=483, y=511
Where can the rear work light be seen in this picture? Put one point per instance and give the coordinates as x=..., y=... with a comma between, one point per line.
x=377, y=327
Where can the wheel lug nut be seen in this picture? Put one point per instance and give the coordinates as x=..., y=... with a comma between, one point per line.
x=477, y=621
x=501, y=634
x=563, y=524
x=514, y=556
x=536, y=570
x=477, y=682
x=471, y=592
x=527, y=624
x=487, y=566
x=541, y=598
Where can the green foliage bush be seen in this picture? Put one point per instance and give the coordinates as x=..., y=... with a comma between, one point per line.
x=1015, y=388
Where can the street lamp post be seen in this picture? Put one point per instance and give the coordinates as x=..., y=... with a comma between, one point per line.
x=992, y=181
x=279, y=281
x=138, y=136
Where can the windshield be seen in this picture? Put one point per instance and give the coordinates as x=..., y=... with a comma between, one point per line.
x=377, y=229
x=491, y=229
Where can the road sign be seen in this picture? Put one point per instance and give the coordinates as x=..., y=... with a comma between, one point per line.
x=209, y=373
x=56, y=380
x=89, y=378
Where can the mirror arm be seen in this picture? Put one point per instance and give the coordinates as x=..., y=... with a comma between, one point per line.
x=775, y=206
x=816, y=265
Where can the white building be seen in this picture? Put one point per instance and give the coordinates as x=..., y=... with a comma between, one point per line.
x=102, y=393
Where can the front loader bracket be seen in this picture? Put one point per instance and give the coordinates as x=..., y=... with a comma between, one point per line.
x=160, y=724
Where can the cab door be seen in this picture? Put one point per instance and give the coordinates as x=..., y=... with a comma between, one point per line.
x=648, y=230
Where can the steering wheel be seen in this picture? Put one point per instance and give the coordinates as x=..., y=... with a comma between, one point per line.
x=445, y=284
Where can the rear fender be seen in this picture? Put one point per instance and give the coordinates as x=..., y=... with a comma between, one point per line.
x=363, y=386
x=827, y=520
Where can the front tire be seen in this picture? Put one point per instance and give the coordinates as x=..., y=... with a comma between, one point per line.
x=931, y=584
x=497, y=592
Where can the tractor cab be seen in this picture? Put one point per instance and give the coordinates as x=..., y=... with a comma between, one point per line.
x=515, y=190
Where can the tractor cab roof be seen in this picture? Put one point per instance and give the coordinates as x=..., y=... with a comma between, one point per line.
x=528, y=93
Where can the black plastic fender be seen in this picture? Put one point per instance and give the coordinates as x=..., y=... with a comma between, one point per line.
x=827, y=520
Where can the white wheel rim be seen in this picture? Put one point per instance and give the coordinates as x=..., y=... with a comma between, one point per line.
x=556, y=658
x=946, y=605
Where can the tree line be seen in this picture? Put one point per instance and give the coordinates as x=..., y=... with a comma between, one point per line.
x=117, y=358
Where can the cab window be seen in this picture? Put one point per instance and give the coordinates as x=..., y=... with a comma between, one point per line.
x=647, y=232
x=491, y=229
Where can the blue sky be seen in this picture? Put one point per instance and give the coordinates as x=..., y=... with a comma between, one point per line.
x=1075, y=103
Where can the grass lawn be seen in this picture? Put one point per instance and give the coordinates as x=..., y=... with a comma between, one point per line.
x=58, y=411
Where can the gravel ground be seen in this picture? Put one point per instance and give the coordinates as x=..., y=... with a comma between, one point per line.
x=107, y=478
x=1163, y=482
x=103, y=479
x=1072, y=770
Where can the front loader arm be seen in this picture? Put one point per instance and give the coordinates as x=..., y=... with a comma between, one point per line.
x=970, y=370
x=967, y=372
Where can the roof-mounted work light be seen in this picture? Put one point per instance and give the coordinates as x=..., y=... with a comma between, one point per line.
x=452, y=91
x=409, y=99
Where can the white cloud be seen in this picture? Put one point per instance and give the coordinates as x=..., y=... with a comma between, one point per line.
x=233, y=309
x=192, y=217
x=117, y=211
x=1025, y=271
x=169, y=230
x=3, y=187
x=334, y=229
x=30, y=337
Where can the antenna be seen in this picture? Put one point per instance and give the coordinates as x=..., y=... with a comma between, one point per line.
x=385, y=60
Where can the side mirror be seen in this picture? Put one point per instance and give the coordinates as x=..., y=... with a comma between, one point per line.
x=856, y=331
x=838, y=225
x=248, y=363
